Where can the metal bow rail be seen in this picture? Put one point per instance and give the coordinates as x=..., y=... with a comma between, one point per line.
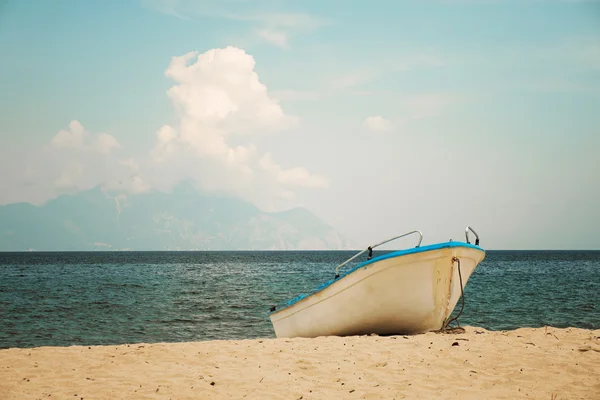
x=467, y=229
x=370, y=249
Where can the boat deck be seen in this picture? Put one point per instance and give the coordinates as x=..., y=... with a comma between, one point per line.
x=397, y=253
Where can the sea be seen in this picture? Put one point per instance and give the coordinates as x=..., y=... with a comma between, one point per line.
x=100, y=298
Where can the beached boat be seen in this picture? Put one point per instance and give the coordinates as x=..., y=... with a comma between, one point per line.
x=400, y=292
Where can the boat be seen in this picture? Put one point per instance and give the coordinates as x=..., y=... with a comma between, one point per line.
x=402, y=292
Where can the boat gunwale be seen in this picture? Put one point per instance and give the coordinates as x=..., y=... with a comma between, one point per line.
x=393, y=254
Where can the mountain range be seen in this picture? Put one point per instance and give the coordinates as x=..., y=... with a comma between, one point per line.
x=185, y=219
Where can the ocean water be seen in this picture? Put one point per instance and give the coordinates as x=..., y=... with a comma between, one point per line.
x=92, y=298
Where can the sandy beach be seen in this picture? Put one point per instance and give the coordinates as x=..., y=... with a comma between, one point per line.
x=543, y=363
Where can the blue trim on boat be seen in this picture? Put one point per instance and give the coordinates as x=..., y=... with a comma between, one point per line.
x=393, y=254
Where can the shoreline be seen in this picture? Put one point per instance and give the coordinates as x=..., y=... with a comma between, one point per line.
x=521, y=363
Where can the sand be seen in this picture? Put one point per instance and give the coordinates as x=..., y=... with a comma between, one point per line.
x=543, y=363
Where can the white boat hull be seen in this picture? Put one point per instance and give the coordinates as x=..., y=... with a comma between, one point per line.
x=405, y=294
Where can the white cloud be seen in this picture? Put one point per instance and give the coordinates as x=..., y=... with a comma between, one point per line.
x=69, y=138
x=243, y=11
x=218, y=95
x=282, y=20
x=274, y=37
x=221, y=91
x=375, y=67
x=165, y=143
x=409, y=109
x=133, y=183
x=220, y=100
x=70, y=176
x=75, y=160
x=274, y=27
x=105, y=143
x=222, y=107
x=294, y=176
x=77, y=138
x=165, y=6
x=378, y=124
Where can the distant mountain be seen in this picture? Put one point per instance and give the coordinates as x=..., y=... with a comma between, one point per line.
x=185, y=219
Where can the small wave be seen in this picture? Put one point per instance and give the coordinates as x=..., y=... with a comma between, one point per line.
x=124, y=285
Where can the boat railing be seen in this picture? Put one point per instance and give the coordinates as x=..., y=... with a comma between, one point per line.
x=467, y=229
x=370, y=249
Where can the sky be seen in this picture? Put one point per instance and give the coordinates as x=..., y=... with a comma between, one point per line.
x=381, y=117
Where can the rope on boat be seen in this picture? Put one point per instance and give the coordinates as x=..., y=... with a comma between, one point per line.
x=446, y=325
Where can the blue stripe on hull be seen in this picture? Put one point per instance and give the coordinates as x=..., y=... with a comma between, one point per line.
x=393, y=254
